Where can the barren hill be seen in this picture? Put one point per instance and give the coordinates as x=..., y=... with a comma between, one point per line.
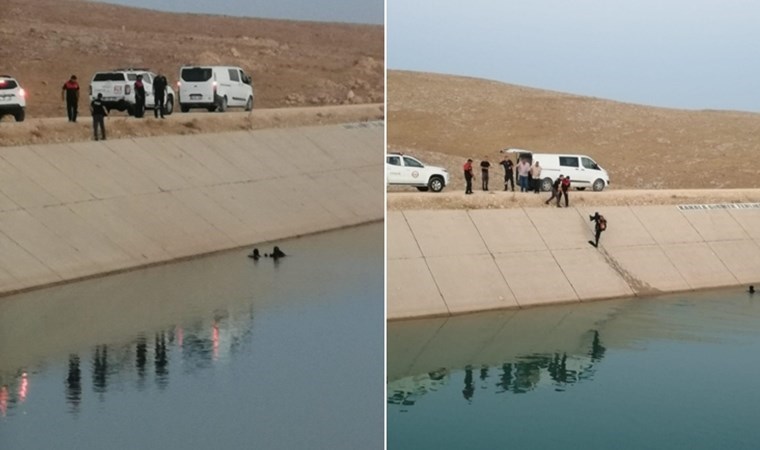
x=43, y=42
x=444, y=119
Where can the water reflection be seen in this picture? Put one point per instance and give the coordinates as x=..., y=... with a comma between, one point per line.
x=200, y=348
x=523, y=374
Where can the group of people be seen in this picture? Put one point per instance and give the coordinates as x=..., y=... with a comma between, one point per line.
x=70, y=93
x=529, y=179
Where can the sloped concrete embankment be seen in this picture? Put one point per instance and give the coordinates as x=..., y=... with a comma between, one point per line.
x=449, y=262
x=69, y=211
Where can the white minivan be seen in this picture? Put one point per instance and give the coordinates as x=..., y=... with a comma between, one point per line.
x=214, y=88
x=583, y=171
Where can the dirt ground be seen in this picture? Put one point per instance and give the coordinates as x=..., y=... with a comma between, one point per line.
x=451, y=199
x=444, y=119
x=43, y=42
x=58, y=130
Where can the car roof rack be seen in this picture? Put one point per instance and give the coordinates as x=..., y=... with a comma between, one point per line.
x=131, y=69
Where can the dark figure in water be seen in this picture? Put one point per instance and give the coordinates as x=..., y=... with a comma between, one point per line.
x=255, y=255
x=277, y=253
x=751, y=289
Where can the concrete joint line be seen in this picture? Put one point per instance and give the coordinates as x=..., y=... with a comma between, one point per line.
x=659, y=246
x=424, y=258
x=578, y=297
x=493, y=258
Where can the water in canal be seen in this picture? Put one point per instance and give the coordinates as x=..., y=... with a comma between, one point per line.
x=675, y=372
x=216, y=353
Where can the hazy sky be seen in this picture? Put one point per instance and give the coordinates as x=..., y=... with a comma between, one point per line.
x=696, y=54
x=354, y=11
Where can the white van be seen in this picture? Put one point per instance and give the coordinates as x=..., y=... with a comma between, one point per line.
x=214, y=88
x=583, y=171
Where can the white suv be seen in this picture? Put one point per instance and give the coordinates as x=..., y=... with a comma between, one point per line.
x=403, y=170
x=12, y=98
x=117, y=87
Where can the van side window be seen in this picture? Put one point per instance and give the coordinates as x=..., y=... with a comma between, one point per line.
x=234, y=76
x=394, y=160
x=589, y=164
x=568, y=161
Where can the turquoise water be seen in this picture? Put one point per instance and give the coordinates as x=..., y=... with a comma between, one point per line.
x=216, y=353
x=675, y=372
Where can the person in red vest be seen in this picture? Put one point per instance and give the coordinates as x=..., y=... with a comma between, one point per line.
x=565, y=186
x=468, y=176
x=139, y=97
x=70, y=93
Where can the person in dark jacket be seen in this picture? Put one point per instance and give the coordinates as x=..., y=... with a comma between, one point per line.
x=139, y=97
x=99, y=112
x=159, y=95
x=508, y=173
x=555, y=190
x=600, y=224
x=70, y=93
x=484, y=167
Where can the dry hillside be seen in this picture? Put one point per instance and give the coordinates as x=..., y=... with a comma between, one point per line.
x=43, y=42
x=444, y=119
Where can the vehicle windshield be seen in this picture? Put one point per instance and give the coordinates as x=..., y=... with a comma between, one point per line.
x=409, y=162
x=108, y=76
x=196, y=74
x=588, y=163
x=8, y=84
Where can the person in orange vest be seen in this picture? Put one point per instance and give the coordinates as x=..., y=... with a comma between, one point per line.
x=70, y=93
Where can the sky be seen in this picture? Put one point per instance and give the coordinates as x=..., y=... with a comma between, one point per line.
x=352, y=11
x=691, y=54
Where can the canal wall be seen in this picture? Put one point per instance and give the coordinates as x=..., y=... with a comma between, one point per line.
x=71, y=211
x=446, y=262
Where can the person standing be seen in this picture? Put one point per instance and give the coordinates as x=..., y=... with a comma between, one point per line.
x=600, y=224
x=70, y=93
x=484, y=166
x=523, y=169
x=139, y=97
x=159, y=95
x=555, y=190
x=99, y=112
x=468, y=176
x=565, y=188
x=508, y=174
x=535, y=173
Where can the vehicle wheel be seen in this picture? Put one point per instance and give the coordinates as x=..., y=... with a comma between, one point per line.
x=422, y=188
x=598, y=185
x=249, y=104
x=169, y=105
x=184, y=108
x=130, y=110
x=223, y=104
x=436, y=184
x=19, y=115
x=546, y=184
x=211, y=108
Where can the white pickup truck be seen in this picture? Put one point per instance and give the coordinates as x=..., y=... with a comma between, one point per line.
x=117, y=87
x=404, y=170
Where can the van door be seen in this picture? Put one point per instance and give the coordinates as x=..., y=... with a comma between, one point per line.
x=591, y=170
x=233, y=98
x=570, y=166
